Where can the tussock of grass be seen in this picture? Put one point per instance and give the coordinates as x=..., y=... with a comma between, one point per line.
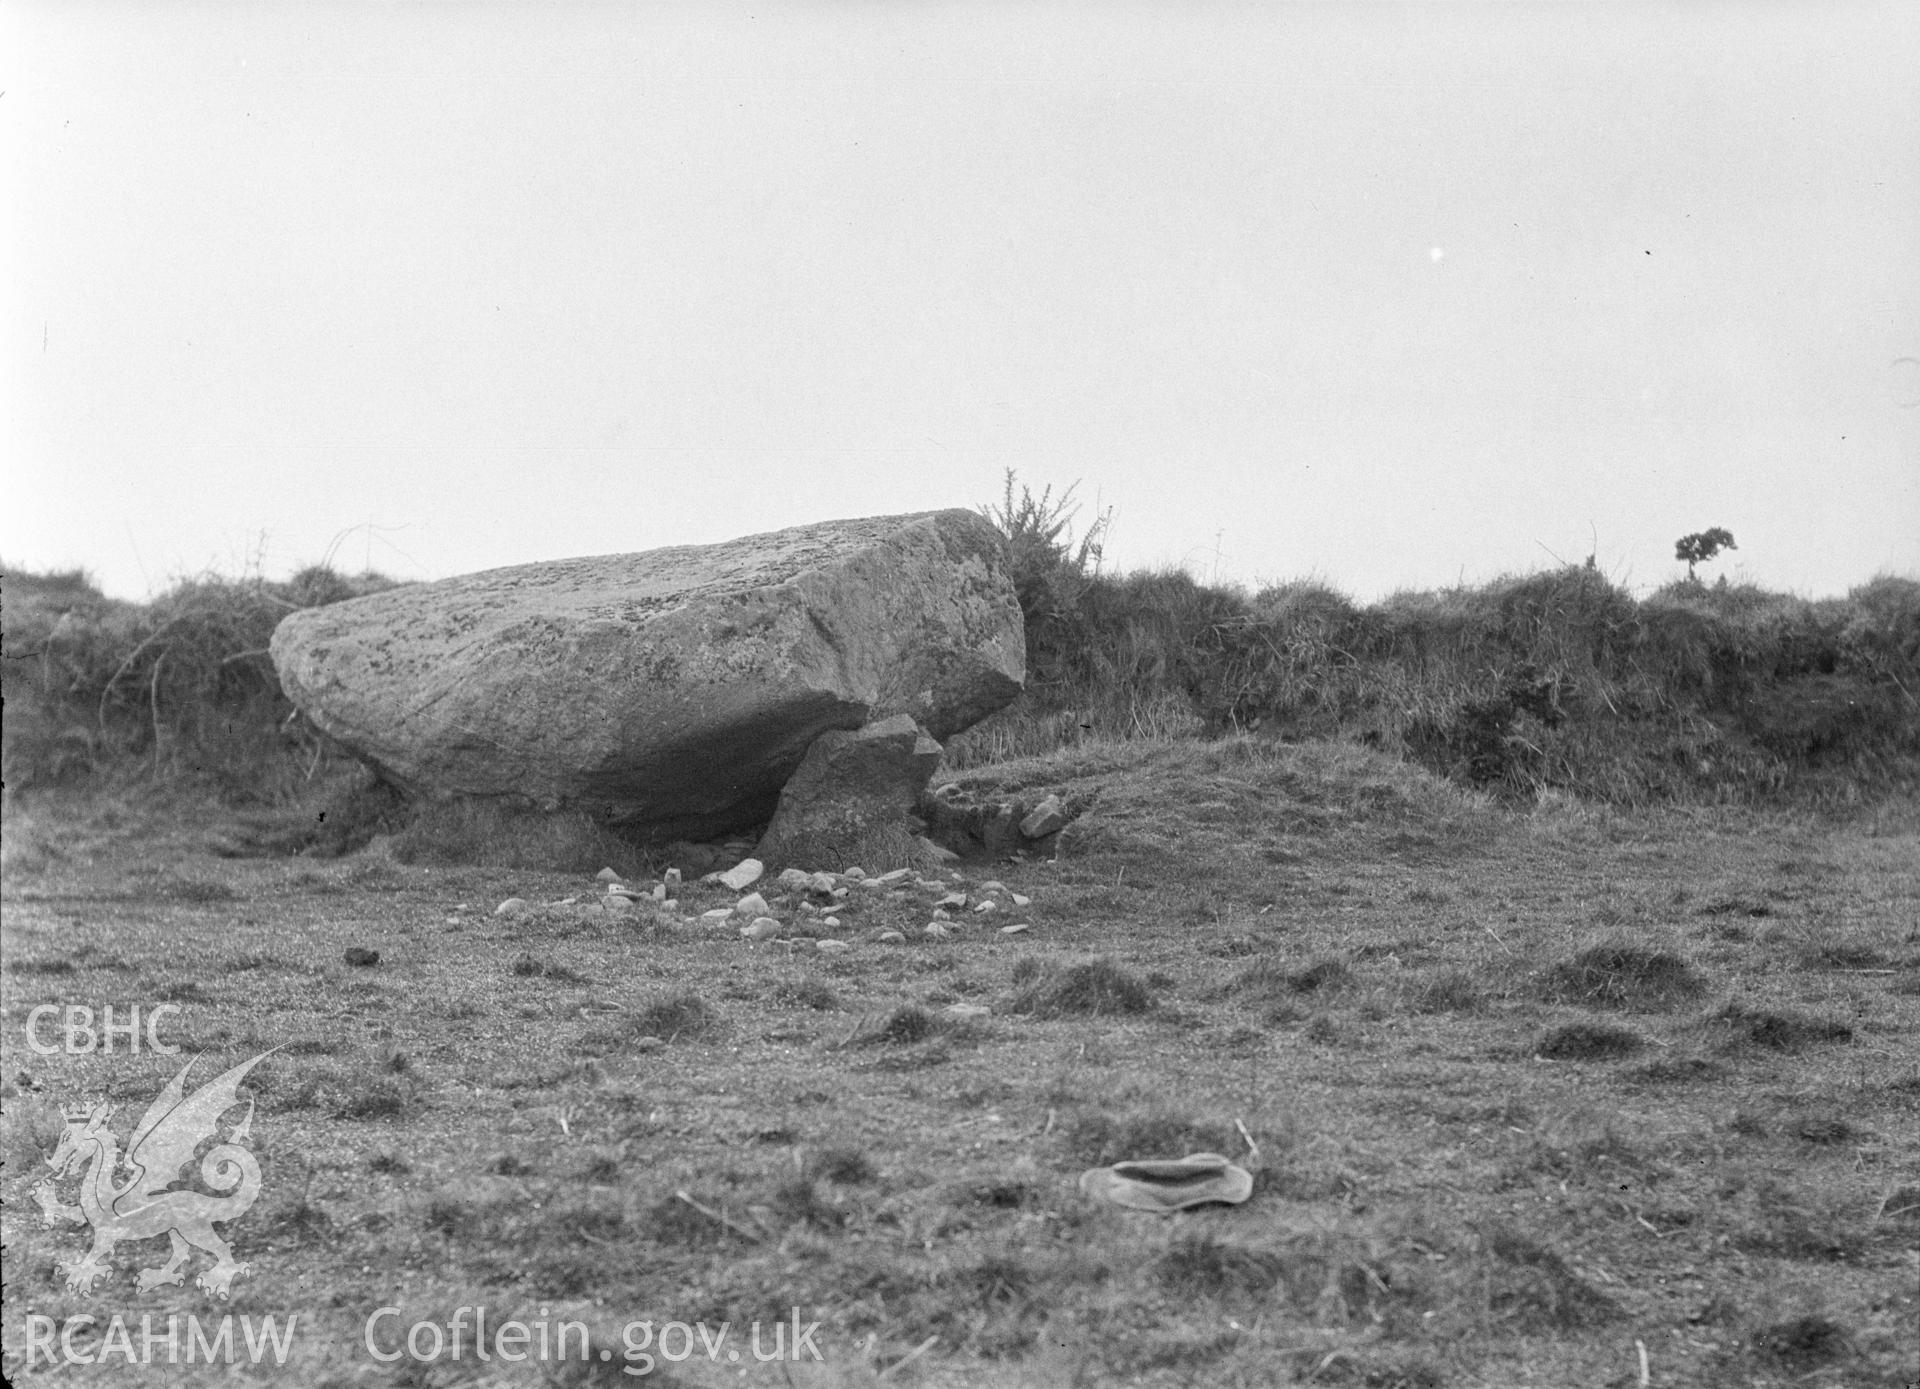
x=1008, y=1195
x=293, y=1220
x=686, y=1016
x=807, y=993
x=1449, y=991
x=353, y=1091
x=1777, y=1029
x=1767, y=1216
x=1095, y=988
x=1824, y=1130
x=43, y=966
x=677, y=1224
x=802, y=1202
x=1203, y=1265
x=845, y=1166
x=1530, y=1285
x=1586, y=1041
x=1622, y=974
x=1329, y=1275
x=1803, y=1344
x=529, y=966
x=1678, y=1070
x=1842, y=954
x=1269, y=978
x=183, y=889
x=906, y=1025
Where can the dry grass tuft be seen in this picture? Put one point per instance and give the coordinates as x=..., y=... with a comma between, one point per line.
x=1625, y=975
x=684, y=1016
x=1586, y=1041
x=1096, y=988
x=1777, y=1029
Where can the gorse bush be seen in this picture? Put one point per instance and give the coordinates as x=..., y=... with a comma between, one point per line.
x=179, y=686
x=1049, y=568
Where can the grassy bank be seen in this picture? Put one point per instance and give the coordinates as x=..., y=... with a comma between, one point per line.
x=1558, y=679
x=176, y=691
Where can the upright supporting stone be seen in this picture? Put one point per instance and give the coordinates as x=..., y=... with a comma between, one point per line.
x=852, y=800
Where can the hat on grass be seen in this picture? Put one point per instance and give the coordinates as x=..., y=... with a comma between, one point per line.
x=1168, y=1185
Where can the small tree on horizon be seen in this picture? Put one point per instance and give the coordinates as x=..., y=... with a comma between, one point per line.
x=1702, y=546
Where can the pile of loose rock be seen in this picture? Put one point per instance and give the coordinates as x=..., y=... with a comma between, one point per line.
x=801, y=908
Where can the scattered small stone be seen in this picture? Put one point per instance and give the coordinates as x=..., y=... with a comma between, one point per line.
x=952, y=899
x=513, y=906
x=620, y=902
x=994, y=886
x=563, y=901
x=794, y=879
x=986, y=906
x=717, y=915
x=743, y=874
x=671, y=878
x=660, y=892
x=854, y=873
x=607, y=875
x=823, y=883
x=938, y=853
x=648, y=1043
x=891, y=938
x=1015, y=929
x=1045, y=818
x=829, y=946
x=897, y=875
x=829, y=921
x=939, y=930
x=1020, y=901
x=360, y=955
x=753, y=904
x=966, y=1010
x=762, y=928
x=623, y=890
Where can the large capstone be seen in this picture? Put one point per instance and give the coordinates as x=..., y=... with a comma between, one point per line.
x=674, y=691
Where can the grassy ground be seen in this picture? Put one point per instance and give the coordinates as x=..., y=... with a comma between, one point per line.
x=1547, y=1096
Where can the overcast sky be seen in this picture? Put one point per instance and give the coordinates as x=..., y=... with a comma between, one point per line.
x=1387, y=295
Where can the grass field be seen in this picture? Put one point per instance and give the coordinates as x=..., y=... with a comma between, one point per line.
x=1533, y=1095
